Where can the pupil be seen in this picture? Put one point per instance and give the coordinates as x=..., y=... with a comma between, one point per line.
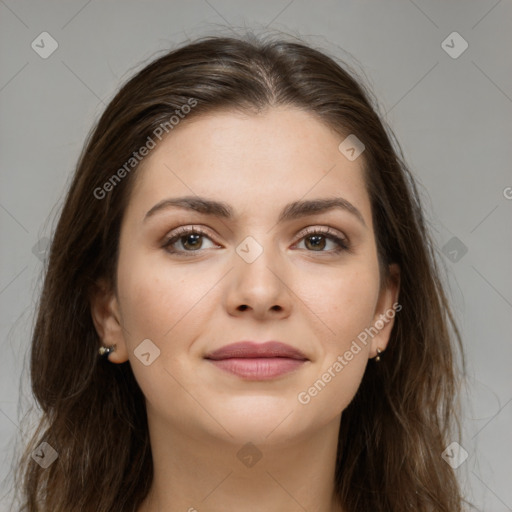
x=316, y=243
x=196, y=238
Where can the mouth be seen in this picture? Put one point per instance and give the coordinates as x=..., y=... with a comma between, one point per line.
x=257, y=361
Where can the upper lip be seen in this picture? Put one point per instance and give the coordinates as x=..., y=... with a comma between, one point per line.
x=252, y=349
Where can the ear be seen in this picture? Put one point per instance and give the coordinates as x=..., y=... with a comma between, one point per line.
x=386, y=310
x=107, y=320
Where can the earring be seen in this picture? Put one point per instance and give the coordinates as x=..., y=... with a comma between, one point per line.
x=377, y=357
x=106, y=351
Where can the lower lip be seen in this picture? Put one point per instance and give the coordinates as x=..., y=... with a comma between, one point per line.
x=263, y=368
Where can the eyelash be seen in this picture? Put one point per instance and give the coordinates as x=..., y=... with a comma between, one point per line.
x=327, y=232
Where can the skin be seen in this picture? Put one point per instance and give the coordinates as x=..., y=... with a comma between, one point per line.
x=310, y=297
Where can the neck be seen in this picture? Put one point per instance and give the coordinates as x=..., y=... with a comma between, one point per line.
x=199, y=473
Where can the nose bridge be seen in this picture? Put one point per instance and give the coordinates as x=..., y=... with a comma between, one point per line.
x=257, y=254
x=259, y=281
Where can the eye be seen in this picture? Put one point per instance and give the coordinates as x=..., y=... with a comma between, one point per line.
x=316, y=238
x=190, y=238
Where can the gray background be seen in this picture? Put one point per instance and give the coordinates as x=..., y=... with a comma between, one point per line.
x=451, y=115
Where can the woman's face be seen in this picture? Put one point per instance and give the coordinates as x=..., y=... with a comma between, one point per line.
x=266, y=272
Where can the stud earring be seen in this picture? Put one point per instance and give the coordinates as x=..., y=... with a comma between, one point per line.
x=106, y=351
x=377, y=357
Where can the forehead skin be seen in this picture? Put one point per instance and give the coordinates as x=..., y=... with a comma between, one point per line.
x=250, y=160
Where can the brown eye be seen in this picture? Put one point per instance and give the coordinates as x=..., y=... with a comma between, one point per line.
x=316, y=240
x=191, y=240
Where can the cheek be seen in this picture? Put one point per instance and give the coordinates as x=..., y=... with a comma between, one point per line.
x=347, y=307
x=160, y=303
x=156, y=296
x=330, y=394
x=344, y=301
x=147, y=310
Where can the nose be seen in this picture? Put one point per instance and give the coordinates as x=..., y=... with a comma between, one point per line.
x=260, y=288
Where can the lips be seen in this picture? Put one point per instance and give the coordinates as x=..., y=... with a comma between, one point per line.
x=252, y=350
x=257, y=361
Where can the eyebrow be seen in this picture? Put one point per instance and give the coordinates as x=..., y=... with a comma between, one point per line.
x=294, y=210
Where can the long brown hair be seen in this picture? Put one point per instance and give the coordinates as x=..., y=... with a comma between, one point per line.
x=393, y=432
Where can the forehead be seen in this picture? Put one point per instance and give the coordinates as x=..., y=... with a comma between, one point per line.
x=250, y=160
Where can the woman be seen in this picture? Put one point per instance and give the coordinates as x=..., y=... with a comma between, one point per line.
x=242, y=308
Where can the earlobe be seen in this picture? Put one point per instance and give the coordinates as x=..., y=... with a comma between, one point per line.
x=107, y=320
x=387, y=308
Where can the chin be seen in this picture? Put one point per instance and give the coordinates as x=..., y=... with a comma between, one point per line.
x=260, y=420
